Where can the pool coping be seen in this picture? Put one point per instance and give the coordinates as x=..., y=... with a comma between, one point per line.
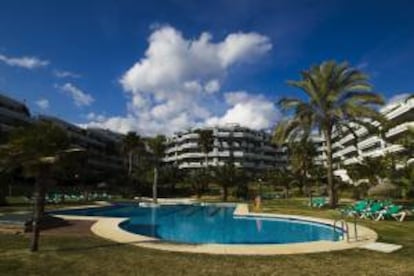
x=108, y=228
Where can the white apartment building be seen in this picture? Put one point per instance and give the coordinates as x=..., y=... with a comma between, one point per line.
x=346, y=152
x=247, y=148
x=320, y=146
x=401, y=112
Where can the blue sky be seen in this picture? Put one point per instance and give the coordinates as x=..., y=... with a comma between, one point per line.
x=161, y=66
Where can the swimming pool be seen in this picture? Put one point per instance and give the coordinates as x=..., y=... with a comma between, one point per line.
x=210, y=224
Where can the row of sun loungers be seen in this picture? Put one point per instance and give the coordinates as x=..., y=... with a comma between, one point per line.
x=58, y=197
x=376, y=210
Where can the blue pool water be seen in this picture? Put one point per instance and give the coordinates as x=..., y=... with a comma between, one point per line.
x=209, y=224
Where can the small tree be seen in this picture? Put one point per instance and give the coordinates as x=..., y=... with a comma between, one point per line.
x=301, y=160
x=228, y=176
x=198, y=180
x=36, y=149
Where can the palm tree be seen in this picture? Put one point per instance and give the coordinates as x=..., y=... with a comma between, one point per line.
x=338, y=98
x=132, y=144
x=157, y=148
x=205, y=141
x=36, y=149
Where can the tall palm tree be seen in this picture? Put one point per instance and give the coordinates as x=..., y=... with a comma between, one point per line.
x=205, y=141
x=132, y=144
x=157, y=148
x=36, y=149
x=338, y=97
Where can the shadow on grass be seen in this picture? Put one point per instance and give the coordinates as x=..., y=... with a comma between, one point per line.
x=80, y=248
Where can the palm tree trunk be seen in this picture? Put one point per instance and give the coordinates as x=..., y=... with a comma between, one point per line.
x=38, y=208
x=331, y=185
x=154, y=185
x=225, y=193
x=130, y=163
x=205, y=160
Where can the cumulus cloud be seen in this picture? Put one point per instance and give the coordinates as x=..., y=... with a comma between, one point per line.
x=79, y=97
x=24, y=62
x=173, y=86
x=65, y=74
x=42, y=104
x=249, y=110
x=117, y=123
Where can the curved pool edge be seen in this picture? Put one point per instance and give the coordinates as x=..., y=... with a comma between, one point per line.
x=109, y=229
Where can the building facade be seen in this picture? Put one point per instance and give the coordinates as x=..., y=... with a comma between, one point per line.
x=244, y=147
x=13, y=114
x=348, y=151
x=102, y=146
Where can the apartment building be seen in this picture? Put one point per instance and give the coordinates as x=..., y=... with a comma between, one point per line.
x=102, y=145
x=244, y=147
x=346, y=151
x=12, y=114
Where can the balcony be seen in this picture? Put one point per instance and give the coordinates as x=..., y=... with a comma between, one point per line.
x=187, y=136
x=191, y=155
x=351, y=160
x=345, y=140
x=403, y=108
x=190, y=165
x=373, y=153
x=189, y=145
x=345, y=151
x=172, y=149
x=399, y=129
x=369, y=142
x=394, y=148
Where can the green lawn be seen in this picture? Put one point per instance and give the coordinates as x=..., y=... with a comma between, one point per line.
x=68, y=255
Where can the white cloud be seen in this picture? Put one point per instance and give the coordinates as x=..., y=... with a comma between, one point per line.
x=242, y=46
x=79, y=97
x=398, y=97
x=95, y=117
x=43, y=104
x=249, y=110
x=24, y=62
x=65, y=74
x=117, y=123
x=176, y=82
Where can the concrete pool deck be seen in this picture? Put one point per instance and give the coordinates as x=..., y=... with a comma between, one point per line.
x=108, y=228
